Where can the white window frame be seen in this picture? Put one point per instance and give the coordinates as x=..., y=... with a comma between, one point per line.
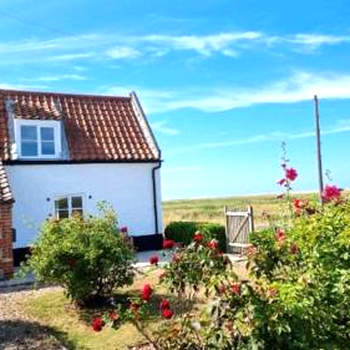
x=39, y=124
x=69, y=197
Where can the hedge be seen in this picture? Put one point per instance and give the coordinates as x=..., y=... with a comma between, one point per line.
x=183, y=231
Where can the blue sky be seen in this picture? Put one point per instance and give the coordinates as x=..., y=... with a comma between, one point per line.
x=223, y=82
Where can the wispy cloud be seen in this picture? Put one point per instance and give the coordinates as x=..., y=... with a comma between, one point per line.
x=341, y=126
x=70, y=57
x=50, y=78
x=120, y=52
x=316, y=40
x=161, y=127
x=117, y=46
x=77, y=42
x=204, y=45
x=278, y=136
x=79, y=68
x=300, y=86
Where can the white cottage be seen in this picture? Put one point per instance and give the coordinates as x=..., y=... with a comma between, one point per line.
x=63, y=153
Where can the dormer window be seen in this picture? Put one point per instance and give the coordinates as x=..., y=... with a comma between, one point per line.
x=38, y=139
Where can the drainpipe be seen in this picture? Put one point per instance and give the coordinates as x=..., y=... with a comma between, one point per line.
x=155, y=206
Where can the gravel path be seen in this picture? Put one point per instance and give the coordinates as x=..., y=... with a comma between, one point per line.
x=20, y=332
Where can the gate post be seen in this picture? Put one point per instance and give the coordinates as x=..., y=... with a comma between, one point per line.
x=226, y=229
x=251, y=218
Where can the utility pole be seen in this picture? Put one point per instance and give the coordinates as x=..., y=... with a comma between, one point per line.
x=318, y=148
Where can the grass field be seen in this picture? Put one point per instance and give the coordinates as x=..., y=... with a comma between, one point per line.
x=212, y=209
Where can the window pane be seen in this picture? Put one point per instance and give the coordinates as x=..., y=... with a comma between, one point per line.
x=62, y=214
x=47, y=148
x=78, y=212
x=29, y=149
x=28, y=132
x=61, y=204
x=77, y=202
x=46, y=134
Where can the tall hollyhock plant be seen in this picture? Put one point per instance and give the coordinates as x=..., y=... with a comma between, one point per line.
x=290, y=174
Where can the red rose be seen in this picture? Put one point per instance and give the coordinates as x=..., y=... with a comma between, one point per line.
x=167, y=313
x=297, y=203
x=164, y=304
x=291, y=174
x=146, y=292
x=280, y=236
x=236, y=288
x=168, y=244
x=281, y=182
x=213, y=244
x=97, y=324
x=300, y=203
x=198, y=237
x=113, y=316
x=153, y=260
x=331, y=192
x=124, y=229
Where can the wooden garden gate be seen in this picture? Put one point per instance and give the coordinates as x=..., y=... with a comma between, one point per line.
x=239, y=224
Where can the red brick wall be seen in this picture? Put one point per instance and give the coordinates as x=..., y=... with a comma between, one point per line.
x=6, y=255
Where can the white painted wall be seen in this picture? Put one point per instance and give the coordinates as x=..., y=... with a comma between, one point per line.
x=128, y=187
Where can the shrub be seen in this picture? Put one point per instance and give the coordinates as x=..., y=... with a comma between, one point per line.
x=183, y=232
x=194, y=265
x=89, y=257
x=214, y=231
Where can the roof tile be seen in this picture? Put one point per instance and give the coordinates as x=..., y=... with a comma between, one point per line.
x=97, y=127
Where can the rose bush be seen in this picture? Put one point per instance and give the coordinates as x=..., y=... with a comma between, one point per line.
x=89, y=257
x=194, y=265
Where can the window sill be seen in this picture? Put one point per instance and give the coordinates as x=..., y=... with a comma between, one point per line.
x=39, y=158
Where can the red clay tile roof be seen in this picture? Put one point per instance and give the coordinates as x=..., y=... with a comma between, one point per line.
x=5, y=191
x=97, y=127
